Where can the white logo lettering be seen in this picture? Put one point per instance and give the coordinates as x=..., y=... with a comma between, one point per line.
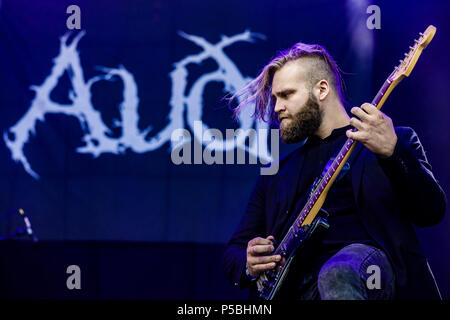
x=96, y=137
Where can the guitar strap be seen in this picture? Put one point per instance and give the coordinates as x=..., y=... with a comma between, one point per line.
x=346, y=168
x=282, y=226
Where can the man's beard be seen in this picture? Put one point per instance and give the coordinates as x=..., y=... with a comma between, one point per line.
x=304, y=123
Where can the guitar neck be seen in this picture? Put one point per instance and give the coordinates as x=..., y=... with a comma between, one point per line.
x=383, y=93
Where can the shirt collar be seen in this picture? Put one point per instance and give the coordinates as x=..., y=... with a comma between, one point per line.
x=335, y=133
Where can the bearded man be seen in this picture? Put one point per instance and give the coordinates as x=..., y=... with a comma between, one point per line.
x=385, y=189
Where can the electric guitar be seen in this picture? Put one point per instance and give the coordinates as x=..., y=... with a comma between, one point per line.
x=312, y=218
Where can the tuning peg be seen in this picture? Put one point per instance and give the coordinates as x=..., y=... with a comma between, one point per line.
x=416, y=41
x=421, y=34
x=401, y=61
x=411, y=48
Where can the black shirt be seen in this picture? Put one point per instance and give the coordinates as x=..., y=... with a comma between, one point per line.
x=345, y=224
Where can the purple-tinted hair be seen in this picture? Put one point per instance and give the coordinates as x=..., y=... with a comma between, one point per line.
x=259, y=90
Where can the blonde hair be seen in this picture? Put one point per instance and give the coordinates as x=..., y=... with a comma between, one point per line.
x=259, y=90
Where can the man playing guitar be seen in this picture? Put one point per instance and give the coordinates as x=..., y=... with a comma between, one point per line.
x=385, y=188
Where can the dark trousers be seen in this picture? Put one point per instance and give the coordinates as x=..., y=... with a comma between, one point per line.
x=356, y=272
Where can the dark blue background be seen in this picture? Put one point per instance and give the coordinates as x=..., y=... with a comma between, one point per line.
x=142, y=207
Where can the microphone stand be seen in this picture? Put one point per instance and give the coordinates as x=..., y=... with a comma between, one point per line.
x=21, y=231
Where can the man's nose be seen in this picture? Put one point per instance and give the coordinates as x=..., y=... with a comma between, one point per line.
x=279, y=107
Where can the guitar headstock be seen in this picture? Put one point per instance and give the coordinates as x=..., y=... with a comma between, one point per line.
x=407, y=64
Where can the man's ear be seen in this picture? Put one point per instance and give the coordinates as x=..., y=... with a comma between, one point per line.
x=322, y=89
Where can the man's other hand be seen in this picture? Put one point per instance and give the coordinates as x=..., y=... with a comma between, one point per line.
x=375, y=130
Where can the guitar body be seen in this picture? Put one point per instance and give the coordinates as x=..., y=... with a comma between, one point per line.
x=271, y=281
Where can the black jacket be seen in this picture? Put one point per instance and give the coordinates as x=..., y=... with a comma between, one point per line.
x=392, y=194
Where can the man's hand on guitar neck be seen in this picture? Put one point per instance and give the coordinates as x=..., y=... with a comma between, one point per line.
x=375, y=130
x=258, y=258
